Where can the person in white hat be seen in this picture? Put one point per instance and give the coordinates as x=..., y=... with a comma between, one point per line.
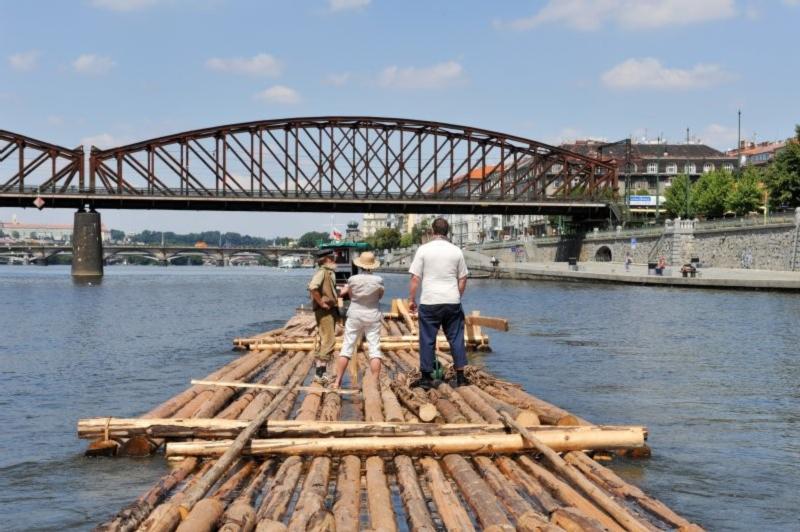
x=363, y=316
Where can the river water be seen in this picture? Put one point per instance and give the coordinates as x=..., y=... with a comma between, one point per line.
x=714, y=375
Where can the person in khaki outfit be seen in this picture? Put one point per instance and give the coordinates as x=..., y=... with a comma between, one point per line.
x=324, y=301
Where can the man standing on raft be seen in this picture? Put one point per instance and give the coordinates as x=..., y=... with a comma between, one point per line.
x=325, y=303
x=441, y=267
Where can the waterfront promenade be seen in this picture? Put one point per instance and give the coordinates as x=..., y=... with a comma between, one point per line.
x=614, y=272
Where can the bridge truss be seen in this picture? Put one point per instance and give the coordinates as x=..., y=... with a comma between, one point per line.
x=349, y=164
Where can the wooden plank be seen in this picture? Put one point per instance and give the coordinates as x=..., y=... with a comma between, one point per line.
x=500, y=324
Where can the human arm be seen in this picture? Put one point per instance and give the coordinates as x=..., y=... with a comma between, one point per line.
x=345, y=291
x=462, y=285
x=413, y=286
x=316, y=295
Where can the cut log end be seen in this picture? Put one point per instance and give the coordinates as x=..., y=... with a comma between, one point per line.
x=528, y=418
x=102, y=448
x=137, y=446
x=567, y=420
x=636, y=452
x=428, y=412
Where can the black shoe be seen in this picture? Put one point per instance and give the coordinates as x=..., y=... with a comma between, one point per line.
x=426, y=381
x=461, y=379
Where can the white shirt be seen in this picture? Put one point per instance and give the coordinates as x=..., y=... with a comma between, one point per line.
x=365, y=296
x=440, y=265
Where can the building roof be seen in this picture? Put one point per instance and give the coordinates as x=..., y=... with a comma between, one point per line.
x=476, y=174
x=617, y=151
x=762, y=147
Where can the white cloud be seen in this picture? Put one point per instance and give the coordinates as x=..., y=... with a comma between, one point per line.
x=93, y=64
x=258, y=65
x=343, y=5
x=433, y=77
x=649, y=73
x=102, y=141
x=279, y=94
x=792, y=2
x=123, y=5
x=337, y=80
x=631, y=14
x=719, y=136
x=24, y=61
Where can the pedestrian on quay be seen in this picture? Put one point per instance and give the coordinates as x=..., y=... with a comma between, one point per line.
x=325, y=303
x=628, y=261
x=363, y=316
x=440, y=268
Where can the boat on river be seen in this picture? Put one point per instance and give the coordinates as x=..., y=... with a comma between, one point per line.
x=256, y=445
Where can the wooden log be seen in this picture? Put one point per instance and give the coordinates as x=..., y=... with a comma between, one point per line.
x=279, y=491
x=471, y=415
x=347, y=508
x=373, y=410
x=228, y=428
x=167, y=516
x=203, y=516
x=614, y=484
x=392, y=411
x=569, y=495
x=573, y=438
x=130, y=517
x=449, y=410
x=415, y=400
x=548, y=414
x=241, y=516
x=500, y=324
x=475, y=401
x=405, y=314
x=453, y=514
x=511, y=469
x=611, y=506
x=573, y=520
x=525, y=417
x=477, y=494
x=379, y=501
x=312, y=496
x=406, y=341
x=231, y=453
x=525, y=515
x=232, y=384
x=419, y=518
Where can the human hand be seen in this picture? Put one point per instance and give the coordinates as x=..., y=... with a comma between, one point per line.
x=412, y=306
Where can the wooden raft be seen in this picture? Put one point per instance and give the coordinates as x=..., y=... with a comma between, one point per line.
x=368, y=481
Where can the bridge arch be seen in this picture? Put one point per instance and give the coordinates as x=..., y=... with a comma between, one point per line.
x=344, y=163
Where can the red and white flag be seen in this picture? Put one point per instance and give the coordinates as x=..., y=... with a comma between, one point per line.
x=336, y=235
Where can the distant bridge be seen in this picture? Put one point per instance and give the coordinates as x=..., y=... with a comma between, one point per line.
x=347, y=164
x=43, y=253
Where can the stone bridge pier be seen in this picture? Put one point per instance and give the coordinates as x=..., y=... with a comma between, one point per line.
x=87, y=245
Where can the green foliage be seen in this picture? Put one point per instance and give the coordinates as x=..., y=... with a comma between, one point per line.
x=117, y=235
x=678, y=198
x=312, y=239
x=15, y=235
x=746, y=194
x=641, y=192
x=212, y=238
x=385, y=238
x=711, y=192
x=782, y=177
x=407, y=240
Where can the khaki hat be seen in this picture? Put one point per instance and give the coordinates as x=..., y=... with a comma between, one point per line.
x=367, y=261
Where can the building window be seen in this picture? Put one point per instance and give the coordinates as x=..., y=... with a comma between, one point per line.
x=555, y=169
x=708, y=167
x=728, y=167
x=690, y=168
x=672, y=168
x=652, y=168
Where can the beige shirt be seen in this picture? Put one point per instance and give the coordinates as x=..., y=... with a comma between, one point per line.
x=319, y=277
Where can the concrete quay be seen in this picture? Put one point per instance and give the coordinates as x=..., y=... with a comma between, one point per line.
x=614, y=272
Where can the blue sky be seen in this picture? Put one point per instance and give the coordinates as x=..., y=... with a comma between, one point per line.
x=109, y=72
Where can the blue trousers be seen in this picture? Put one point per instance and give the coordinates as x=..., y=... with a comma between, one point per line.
x=450, y=317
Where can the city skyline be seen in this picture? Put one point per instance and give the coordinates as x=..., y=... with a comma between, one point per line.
x=553, y=71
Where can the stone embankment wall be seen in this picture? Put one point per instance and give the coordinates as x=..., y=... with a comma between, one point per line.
x=765, y=247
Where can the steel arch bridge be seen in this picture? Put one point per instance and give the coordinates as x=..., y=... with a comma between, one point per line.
x=318, y=164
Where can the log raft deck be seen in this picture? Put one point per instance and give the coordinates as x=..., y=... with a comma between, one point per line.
x=257, y=446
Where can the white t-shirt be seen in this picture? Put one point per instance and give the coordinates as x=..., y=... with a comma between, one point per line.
x=440, y=264
x=365, y=295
